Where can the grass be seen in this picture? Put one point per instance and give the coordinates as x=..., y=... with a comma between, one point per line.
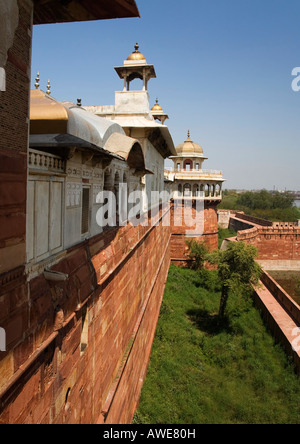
x=225, y=233
x=201, y=372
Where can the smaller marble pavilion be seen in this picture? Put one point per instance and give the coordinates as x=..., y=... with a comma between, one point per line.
x=188, y=176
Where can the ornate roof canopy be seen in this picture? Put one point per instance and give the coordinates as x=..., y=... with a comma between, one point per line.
x=58, y=11
x=189, y=148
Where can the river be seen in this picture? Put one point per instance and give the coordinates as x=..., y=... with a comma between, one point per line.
x=297, y=203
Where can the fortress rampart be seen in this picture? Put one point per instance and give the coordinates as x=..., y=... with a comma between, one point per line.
x=83, y=343
x=209, y=233
x=281, y=314
x=278, y=246
x=274, y=242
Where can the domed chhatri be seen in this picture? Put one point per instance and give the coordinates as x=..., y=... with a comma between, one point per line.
x=135, y=67
x=190, y=178
x=136, y=55
x=189, y=147
x=158, y=113
x=156, y=107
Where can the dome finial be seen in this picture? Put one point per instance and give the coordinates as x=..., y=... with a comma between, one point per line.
x=48, y=88
x=157, y=107
x=37, y=81
x=189, y=147
x=136, y=55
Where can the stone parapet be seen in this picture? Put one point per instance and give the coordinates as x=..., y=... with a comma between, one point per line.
x=79, y=344
x=281, y=314
x=282, y=296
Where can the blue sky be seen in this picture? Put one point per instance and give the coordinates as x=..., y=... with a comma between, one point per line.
x=223, y=72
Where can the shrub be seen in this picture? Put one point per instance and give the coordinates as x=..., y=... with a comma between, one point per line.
x=197, y=254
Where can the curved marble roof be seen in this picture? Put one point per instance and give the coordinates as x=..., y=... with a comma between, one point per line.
x=52, y=121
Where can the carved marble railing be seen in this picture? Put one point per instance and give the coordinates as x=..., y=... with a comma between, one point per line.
x=41, y=161
x=201, y=175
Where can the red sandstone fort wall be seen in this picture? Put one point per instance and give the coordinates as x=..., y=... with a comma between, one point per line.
x=273, y=243
x=280, y=312
x=13, y=144
x=80, y=349
x=181, y=227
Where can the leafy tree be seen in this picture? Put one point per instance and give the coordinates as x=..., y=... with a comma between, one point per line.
x=283, y=201
x=273, y=206
x=265, y=200
x=197, y=253
x=237, y=270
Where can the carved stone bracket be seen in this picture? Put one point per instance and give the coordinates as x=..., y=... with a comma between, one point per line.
x=106, y=162
x=71, y=152
x=86, y=157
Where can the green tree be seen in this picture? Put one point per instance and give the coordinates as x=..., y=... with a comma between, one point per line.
x=237, y=270
x=197, y=254
x=283, y=201
x=265, y=200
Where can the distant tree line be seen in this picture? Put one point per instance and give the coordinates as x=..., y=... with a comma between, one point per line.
x=265, y=200
x=274, y=206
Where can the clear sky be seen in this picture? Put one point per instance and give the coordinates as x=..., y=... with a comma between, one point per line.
x=224, y=72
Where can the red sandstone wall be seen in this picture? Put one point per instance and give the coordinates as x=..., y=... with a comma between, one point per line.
x=125, y=401
x=281, y=295
x=279, y=326
x=253, y=220
x=14, y=114
x=179, y=248
x=46, y=375
x=277, y=243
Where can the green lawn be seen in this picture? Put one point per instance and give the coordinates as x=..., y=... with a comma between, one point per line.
x=201, y=372
x=225, y=233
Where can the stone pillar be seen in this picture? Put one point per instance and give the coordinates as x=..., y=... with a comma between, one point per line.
x=144, y=80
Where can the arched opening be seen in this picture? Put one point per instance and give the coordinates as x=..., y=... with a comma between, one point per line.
x=187, y=190
x=196, y=191
x=188, y=165
x=180, y=190
x=107, y=186
x=136, y=158
x=207, y=190
x=213, y=190
x=134, y=83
